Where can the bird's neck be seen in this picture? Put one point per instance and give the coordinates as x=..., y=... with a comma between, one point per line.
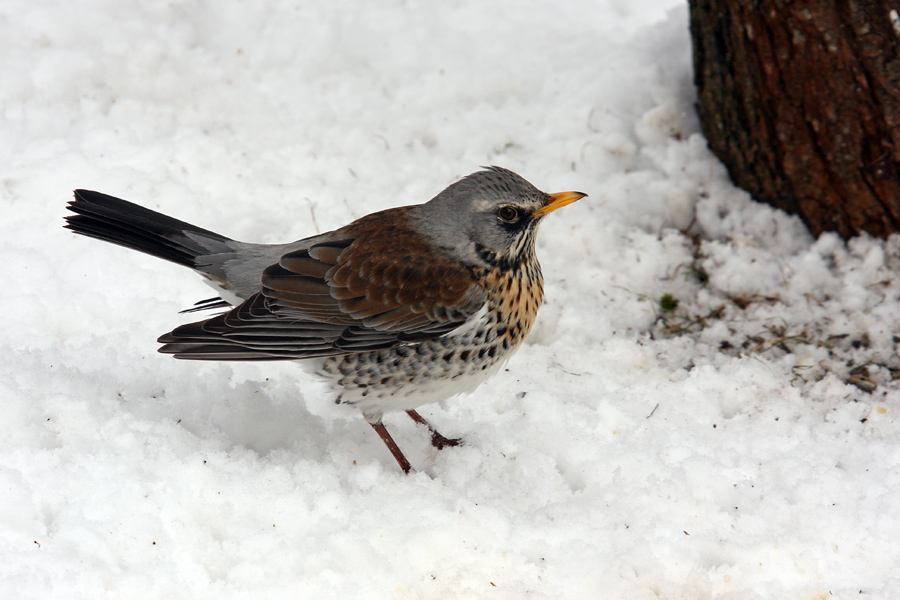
x=515, y=296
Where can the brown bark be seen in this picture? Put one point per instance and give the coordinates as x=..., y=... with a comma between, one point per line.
x=801, y=101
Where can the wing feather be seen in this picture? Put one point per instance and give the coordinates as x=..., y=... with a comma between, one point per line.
x=373, y=284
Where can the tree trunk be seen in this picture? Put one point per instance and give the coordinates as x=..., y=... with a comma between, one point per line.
x=801, y=101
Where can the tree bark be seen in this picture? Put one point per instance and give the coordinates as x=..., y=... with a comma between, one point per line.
x=801, y=101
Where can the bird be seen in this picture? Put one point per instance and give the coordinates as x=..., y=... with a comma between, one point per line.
x=400, y=308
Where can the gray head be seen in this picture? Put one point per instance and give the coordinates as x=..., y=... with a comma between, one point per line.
x=488, y=218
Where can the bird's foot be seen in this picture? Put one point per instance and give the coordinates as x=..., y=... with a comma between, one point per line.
x=437, y=440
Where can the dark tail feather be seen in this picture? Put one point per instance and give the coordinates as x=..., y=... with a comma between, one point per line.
x=126, y=224
x=208, y=304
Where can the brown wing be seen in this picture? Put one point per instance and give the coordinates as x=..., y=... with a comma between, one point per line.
x=373, y=284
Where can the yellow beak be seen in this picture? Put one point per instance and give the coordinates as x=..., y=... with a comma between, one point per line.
x=558, y=201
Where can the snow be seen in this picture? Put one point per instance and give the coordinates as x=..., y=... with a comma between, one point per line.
x=741, y=445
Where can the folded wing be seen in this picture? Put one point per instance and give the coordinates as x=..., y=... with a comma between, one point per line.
x=373, y=284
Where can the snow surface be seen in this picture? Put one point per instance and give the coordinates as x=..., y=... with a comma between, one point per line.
x=741, y=444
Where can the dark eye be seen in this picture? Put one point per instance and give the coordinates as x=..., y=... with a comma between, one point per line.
x=508, y=213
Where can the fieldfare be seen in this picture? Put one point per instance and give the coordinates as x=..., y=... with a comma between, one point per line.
x=400, y=308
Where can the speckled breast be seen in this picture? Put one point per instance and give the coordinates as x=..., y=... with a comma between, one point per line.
x=407, y=376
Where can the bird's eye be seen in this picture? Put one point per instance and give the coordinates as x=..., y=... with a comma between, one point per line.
x=508, y=213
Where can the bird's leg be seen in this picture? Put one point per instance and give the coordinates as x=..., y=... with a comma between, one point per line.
x=437, y=440
x=392, y=445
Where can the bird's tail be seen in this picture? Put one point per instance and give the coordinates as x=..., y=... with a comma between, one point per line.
x=126, y=224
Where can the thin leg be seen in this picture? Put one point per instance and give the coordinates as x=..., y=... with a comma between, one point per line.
x=392, y=445
x=437, y=440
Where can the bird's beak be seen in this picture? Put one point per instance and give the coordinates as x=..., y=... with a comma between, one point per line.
x=558, y=200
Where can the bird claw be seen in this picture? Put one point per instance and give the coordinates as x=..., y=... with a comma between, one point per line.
x=440, y=442
x=437, y=440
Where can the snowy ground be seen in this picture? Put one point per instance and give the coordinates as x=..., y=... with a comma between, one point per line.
x=705, y=409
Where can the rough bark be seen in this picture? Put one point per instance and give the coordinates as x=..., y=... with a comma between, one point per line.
x=801, y=101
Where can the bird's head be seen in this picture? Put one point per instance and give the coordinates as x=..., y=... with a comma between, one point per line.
x=489, y=218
